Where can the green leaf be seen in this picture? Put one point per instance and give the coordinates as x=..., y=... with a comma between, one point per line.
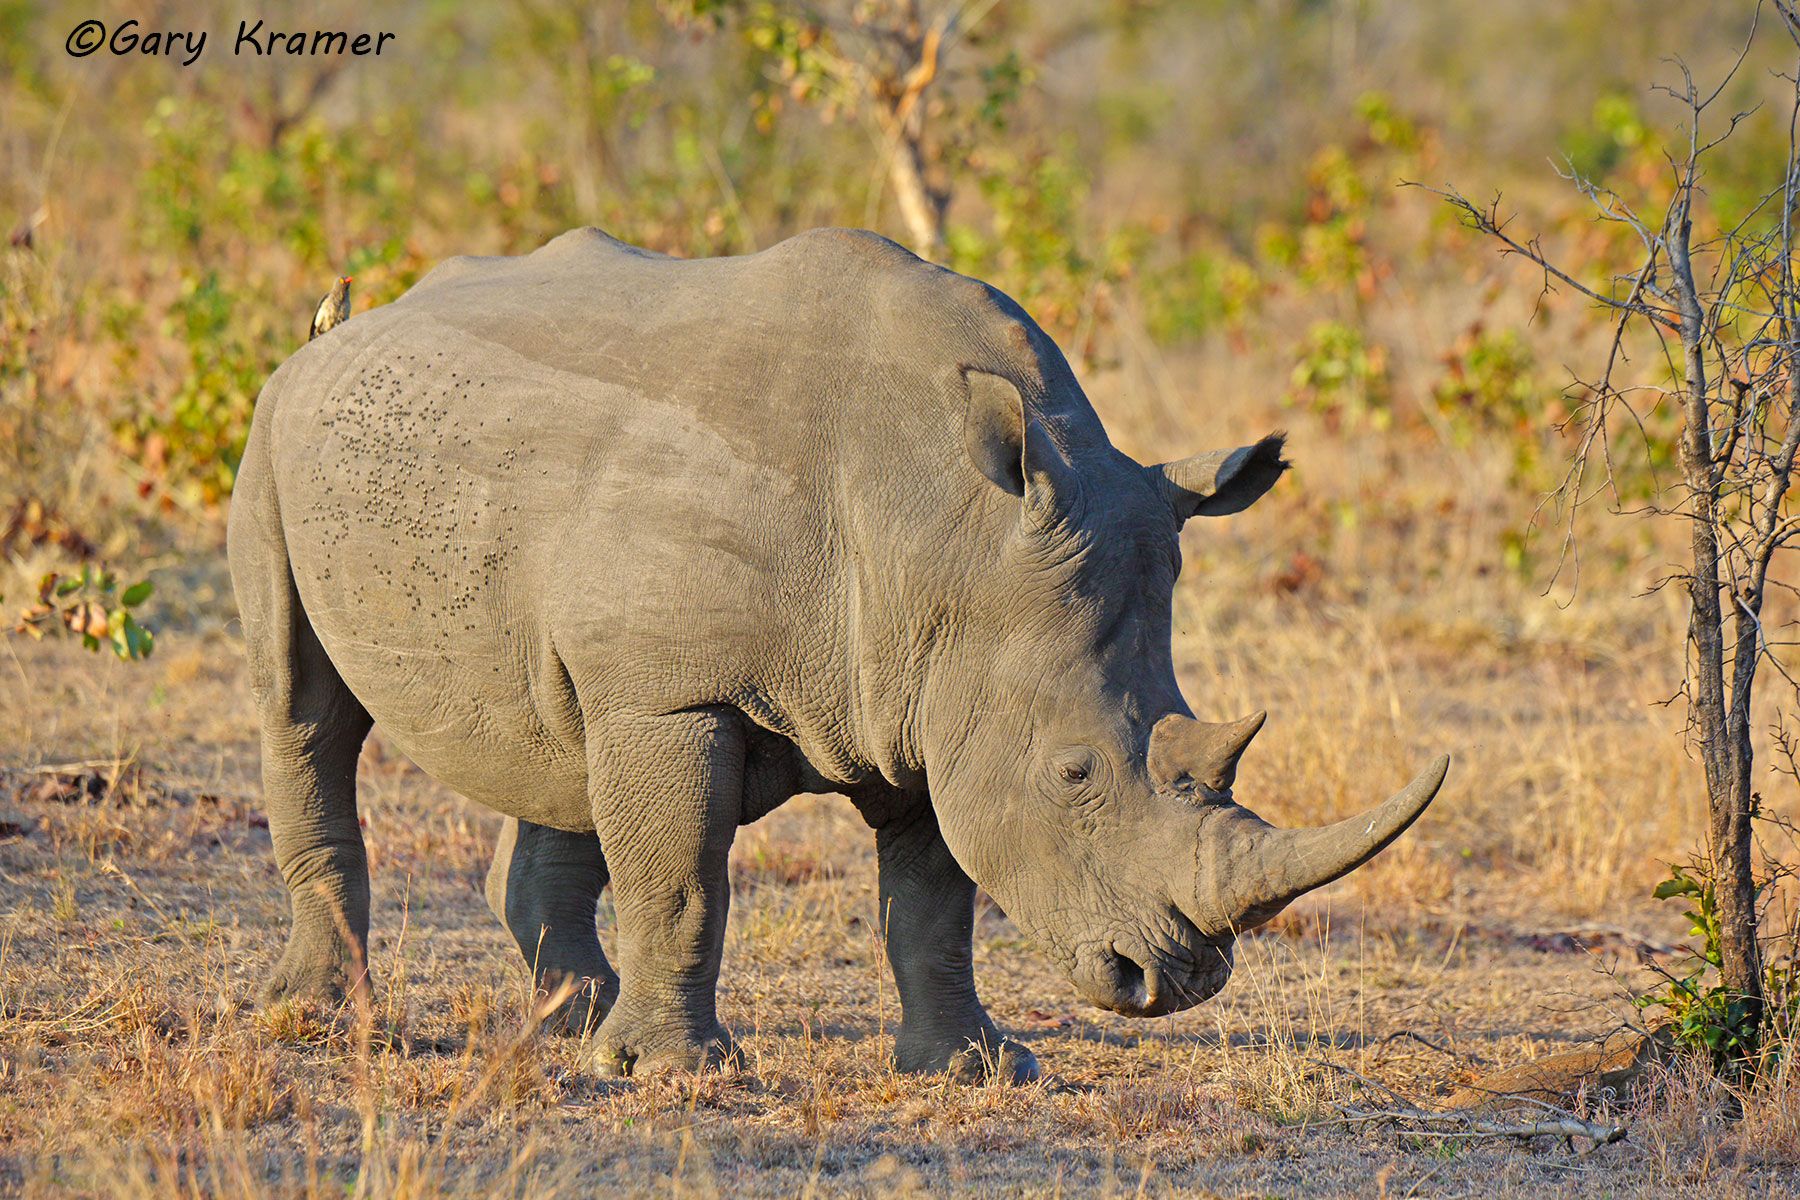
x=67, y=586
x=137, y=593
x=1679, y=885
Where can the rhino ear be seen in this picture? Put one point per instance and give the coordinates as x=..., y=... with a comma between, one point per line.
x=1221, y=482
x=994, y=430
x=1008, y=446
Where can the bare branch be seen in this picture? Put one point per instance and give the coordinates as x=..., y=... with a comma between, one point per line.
x=1488, y=221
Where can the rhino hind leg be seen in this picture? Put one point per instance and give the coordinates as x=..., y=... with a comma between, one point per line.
x=312, y=732
x=309, y=790
x=545, y=888
x=668, y=792
x=928, y=922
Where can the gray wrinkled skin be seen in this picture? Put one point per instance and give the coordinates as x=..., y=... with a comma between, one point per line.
x=637, y=547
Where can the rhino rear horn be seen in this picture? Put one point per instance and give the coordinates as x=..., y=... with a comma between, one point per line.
x=1183, y=748
x=1220, y=482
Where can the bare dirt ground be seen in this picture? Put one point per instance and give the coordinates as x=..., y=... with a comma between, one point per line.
x=140, y=908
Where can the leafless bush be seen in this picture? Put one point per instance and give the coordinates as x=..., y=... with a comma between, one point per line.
x=1718, y=295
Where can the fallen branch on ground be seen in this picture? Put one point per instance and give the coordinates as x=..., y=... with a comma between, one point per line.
x=1419, y=1123
x=1411, y=1119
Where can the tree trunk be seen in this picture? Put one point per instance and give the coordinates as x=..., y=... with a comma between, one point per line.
x=1724, y=724
x=1731, y=809
x=920, y=210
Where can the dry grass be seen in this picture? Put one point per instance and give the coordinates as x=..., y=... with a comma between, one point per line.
x=139, y=909
x=1367, y=605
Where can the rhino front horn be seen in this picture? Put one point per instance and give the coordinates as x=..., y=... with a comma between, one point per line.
x=1287, y=863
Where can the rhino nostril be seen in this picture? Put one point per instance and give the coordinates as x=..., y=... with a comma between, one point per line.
x=1132, y=989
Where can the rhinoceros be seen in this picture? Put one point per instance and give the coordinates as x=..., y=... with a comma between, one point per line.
x=632, y=549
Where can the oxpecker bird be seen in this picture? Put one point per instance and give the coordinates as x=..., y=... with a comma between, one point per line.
x=334, y=309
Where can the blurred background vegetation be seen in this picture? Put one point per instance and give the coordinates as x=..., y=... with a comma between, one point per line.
x=1198, y=199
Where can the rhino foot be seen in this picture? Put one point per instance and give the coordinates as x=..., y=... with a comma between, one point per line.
x=312, y=974
x=1012, y=1063
x=544, y=886
x=627, y=1048
x=981, y=1058
x=584, y=1010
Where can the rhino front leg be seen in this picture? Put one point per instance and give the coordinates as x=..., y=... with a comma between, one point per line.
x=668, y=792
x=928, y=921
x=545, y=888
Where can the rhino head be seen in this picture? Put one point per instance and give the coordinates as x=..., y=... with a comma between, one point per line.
x=1070, y=777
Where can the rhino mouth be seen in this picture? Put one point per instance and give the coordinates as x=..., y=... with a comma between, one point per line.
x=1135, y=980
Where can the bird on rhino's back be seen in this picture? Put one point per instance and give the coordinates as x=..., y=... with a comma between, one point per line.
x=333, y=310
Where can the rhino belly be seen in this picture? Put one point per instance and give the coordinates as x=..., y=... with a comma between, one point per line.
x=466, y=721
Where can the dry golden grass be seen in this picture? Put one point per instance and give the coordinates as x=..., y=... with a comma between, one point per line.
x=139, y=909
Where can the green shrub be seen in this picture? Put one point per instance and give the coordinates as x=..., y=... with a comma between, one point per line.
x=1342, y=375
x=1707, y=1019
x=93, y=607
x=1034, y=248
x=194, y=438
x=1202, y=291
x=1491, y=387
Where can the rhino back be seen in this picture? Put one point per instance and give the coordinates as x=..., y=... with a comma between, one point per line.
x=535, y=490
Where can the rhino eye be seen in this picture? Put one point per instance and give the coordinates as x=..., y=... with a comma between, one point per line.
x=1075, y=775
